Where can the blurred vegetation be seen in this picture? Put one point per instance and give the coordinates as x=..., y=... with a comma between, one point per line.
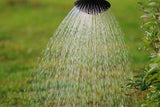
x=149, y=81
x=13, y=2
x=25, y=28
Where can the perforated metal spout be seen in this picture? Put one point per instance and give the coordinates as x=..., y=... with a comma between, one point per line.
x=92, y=6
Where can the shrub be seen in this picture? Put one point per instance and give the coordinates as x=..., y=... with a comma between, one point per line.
x=150, y=78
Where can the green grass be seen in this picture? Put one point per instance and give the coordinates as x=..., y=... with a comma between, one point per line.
x=26, y=29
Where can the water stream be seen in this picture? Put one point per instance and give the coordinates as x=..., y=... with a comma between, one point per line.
x=85, y=64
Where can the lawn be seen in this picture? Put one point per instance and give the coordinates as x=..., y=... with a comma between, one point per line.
x=26, y=29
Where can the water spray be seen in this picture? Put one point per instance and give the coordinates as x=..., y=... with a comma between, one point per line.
x=92, y=6
x=85, y=63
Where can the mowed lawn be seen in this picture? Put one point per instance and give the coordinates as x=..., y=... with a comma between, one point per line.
x=26, y=29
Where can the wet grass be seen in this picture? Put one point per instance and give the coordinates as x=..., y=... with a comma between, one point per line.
x=26, y=29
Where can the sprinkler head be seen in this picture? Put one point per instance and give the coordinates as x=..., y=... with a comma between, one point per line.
x=92, y=6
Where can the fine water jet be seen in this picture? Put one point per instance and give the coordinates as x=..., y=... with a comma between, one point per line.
x=85, y=62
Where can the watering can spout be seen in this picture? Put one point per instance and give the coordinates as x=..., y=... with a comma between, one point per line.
x=92, y=6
